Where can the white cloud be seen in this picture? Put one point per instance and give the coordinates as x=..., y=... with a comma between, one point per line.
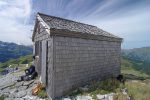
x=14, y=15
x=131, y=24
x=3, y=3
x=128, y=19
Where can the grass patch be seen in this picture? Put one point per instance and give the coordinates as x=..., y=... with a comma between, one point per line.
x=139, y=71
x=120, y=96
x=22, y=60
x=102, y=87
x=1, y=69
x=42, y=94
x=140, y=90
x=76, y=92
x=128, y=68
x=2, y=97
x=137, y=68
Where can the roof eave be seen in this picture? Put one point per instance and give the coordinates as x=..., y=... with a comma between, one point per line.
x=68, y=33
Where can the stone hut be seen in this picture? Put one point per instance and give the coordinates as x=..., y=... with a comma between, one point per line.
x=70, y=54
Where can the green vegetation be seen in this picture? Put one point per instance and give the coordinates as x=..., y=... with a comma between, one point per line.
x=136, y=63
x=103, y=87
x=134, y=69
x=2, y=97
x=138, y=73
x=120, y=96
x=139, y=90
x=13, y=51
x=42, y=94
x=140, y=54
x=22, y=60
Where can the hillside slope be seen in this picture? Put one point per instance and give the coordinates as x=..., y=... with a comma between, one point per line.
x=21, y=60
x=137, y=74
x=135, y=69
x=137, y=59
x=141, y=54
x=11, y=50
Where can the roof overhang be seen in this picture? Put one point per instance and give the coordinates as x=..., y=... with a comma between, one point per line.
x=68, y=33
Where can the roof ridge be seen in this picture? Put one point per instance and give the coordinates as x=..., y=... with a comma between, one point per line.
x=67, y=19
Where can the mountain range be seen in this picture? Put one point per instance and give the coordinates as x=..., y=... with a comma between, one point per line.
x=12, y=51
x=139, y=54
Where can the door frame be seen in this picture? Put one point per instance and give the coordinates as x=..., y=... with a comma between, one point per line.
x=44, y=61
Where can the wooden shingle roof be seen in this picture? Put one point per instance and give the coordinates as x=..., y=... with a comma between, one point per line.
x=57, y=23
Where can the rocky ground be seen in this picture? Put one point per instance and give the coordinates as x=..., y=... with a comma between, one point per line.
x=89, y=97
x=13, y=90
x=108, y=96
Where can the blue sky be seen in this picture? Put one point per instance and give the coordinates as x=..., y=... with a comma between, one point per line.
x=129, y=19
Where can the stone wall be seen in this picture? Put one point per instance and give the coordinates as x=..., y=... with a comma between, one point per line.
x=79, y=61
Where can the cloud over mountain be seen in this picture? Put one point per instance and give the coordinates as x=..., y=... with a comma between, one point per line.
x=128, y=19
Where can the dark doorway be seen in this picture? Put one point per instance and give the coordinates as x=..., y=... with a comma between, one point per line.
x=46, y=63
